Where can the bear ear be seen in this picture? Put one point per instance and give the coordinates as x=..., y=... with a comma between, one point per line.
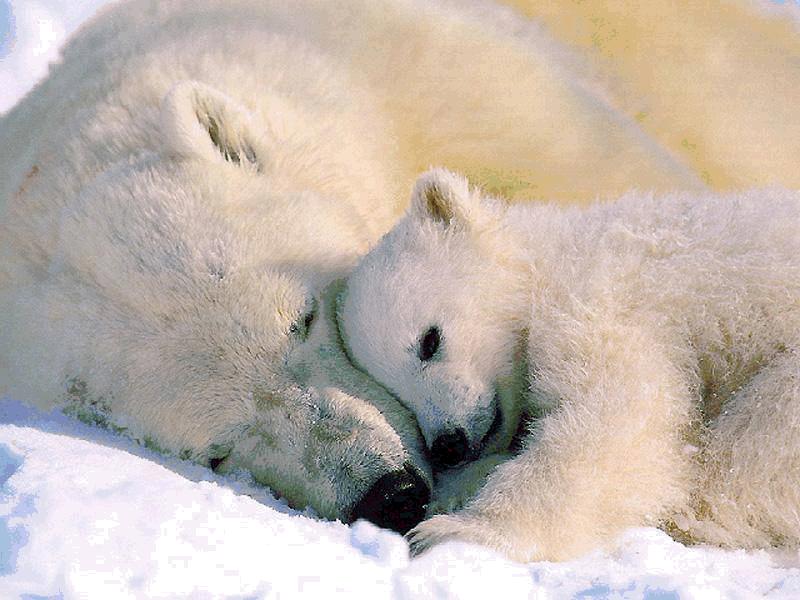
x=443, y=196
x=199, y=121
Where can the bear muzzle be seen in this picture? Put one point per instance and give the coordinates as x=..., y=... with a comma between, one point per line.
x=451, y=448
x=397, y=501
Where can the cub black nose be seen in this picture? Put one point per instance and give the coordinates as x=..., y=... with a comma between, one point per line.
x=449, y=449
x=397, y=501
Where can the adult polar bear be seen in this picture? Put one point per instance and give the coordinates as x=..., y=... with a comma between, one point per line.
x=181, y=190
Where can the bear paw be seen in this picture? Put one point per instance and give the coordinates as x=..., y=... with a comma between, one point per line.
x=470, y=528
x=455, y=488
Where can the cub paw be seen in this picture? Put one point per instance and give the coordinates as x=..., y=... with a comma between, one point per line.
x=465, y=527
x=456, y=487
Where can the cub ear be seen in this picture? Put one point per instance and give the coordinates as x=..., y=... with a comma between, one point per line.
x=443, y=196
x=199, y=121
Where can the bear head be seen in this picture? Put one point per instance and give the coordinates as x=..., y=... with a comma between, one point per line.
x=432, y=312
x=185, y=295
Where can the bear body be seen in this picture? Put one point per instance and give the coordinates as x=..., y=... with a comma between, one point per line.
x=181, y=192
x=161, y=274
x=640, y=54
x=652, y=343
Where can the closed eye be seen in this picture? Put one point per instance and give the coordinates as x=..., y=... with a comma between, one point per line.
x=302, y=325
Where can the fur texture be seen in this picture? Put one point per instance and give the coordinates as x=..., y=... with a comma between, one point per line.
x=181, y=190
x=713, y=82
x=659, y=343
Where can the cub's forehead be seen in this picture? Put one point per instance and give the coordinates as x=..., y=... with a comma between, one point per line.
x=396, y=266
x=393, y=284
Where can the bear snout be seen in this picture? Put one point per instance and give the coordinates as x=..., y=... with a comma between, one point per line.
x=397, y=501
x=449, y=449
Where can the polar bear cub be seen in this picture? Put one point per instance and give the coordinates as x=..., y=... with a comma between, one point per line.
x=651, y=342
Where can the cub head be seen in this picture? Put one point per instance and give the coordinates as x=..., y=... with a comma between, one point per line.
x=435, y=312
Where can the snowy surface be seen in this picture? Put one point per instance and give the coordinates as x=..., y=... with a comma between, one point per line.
x=86, y=514
x=31, y=35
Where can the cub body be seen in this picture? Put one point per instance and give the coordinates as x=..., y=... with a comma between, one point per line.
x=652, y=343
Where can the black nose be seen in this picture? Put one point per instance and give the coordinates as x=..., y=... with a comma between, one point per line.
x=397, y=501
x=449, y=449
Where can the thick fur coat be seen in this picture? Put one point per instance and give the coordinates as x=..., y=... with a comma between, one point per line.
x=180, y=192
x=714, y=82
x=653, y=342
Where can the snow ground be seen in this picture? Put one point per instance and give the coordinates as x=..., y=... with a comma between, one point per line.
x=31, y=35
x=87, y=514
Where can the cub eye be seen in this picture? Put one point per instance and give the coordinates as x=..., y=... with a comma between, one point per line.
x=302, y=325
x=429, y=344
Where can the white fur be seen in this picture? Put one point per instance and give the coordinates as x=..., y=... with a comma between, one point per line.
x=714, y=83
x=187, y=181
x=660, y=340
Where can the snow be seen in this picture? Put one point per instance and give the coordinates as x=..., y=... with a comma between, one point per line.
x=31, y=35
x=87, y=514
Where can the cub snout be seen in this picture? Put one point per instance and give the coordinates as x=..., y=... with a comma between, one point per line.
x=449, y=449
x=452, y=448
x=397, y=501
